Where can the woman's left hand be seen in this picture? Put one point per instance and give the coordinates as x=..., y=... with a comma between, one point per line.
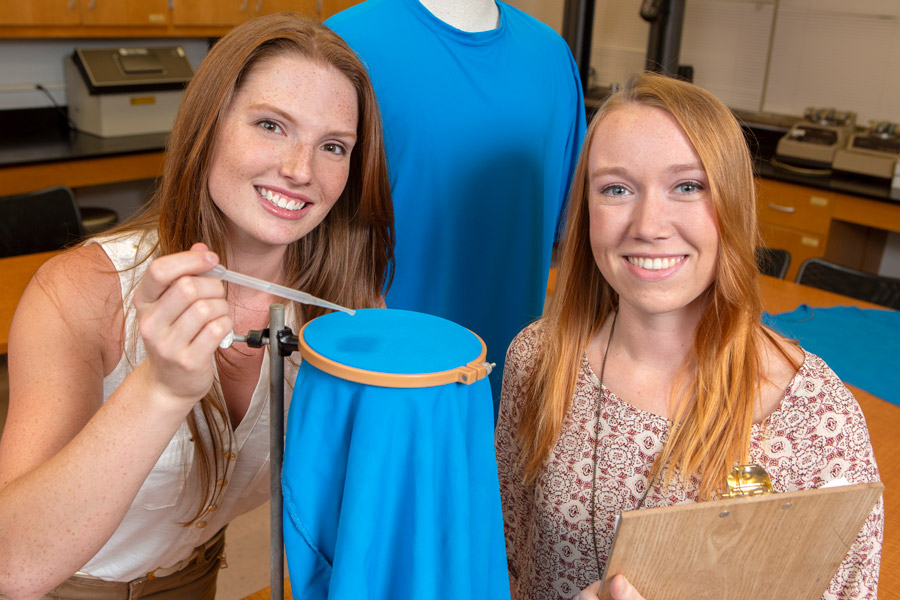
x=619, y=588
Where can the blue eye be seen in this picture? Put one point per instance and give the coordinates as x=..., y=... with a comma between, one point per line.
x=614, y=190
x=689, y=187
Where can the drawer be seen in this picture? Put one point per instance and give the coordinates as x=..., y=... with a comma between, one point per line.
x=794, y=206
x=801, y=245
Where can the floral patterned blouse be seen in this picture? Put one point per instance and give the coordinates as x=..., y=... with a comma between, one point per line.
x=817, y=434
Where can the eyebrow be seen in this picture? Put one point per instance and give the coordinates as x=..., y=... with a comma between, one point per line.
x=264, y=106
x=678, y=168
x=622, y=172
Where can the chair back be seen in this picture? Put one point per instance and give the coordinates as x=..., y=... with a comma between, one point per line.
x=773, y=261
x=39, y=221
x=825, y=275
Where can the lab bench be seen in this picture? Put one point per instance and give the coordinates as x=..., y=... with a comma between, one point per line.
x=37, y=151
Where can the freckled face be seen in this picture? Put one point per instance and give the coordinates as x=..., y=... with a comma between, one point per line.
x=652, y=221
x=282, y=154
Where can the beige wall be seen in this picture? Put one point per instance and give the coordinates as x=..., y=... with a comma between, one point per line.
x=548, y=11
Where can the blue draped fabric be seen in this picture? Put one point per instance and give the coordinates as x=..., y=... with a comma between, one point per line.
x=392, y=493
x=861, y=345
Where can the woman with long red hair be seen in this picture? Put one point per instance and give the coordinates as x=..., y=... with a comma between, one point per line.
x=133, y=438
x=651, y=376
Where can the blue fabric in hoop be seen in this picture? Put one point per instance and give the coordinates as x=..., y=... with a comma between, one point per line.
x=392, y=493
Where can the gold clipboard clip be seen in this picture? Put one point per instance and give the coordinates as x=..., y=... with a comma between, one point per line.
x=748, y=480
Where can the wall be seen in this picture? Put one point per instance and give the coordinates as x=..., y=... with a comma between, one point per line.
x=890, y=260
x=778, y=56
x=548, y=11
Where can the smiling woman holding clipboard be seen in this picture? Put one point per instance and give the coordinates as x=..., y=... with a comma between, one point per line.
x=651, y=376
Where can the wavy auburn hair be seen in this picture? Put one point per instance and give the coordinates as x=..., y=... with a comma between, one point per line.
x=711, y=424
x=347, y=258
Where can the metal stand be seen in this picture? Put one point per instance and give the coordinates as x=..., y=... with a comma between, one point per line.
x=578, y=29
x=280, y=345
x=276, y=453
x=664, y=43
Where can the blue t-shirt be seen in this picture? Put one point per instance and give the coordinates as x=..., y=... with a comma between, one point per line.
x=482, y=132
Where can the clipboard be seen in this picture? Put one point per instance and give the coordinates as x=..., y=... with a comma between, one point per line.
x=776, y=546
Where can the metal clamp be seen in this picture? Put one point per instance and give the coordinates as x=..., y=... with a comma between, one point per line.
x=748, y=480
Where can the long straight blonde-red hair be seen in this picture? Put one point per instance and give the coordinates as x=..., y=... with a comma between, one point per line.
x=712, y=419
x=346, y=259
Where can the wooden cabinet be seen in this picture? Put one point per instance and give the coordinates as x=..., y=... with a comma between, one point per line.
x=795, y=218
x=145, y=18
x=93, y=13
x=304, y=7
x=116, y=12
x=801, y=245
x=227, y=13
x=220, y=13
x=331, y=7
x=39, y=12
x=809, y=222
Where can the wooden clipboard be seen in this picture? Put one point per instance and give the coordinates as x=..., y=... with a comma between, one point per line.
x=770, y=546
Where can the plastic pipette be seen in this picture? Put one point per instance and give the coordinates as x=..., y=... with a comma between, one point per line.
x=220, y=272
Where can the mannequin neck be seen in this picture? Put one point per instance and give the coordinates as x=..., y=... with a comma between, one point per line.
x=466, y=15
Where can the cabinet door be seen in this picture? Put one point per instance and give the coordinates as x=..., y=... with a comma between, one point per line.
x=331, y=7
x=800, y=244
x=794, y=206
x=39, y=12
x=210, y=12
x=265, y=7
x=116, y=12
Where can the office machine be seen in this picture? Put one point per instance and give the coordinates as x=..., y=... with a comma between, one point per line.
x=874, y=152
x=813, y=141
x=125, y=91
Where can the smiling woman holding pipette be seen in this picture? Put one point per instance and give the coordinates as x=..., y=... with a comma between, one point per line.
x=132, y=437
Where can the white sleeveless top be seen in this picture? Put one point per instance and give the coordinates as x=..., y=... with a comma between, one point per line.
x=150, y=536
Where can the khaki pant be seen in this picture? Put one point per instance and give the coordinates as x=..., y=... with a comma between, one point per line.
x=196, y=581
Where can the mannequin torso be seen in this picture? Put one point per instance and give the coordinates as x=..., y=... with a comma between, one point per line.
x=465, y=15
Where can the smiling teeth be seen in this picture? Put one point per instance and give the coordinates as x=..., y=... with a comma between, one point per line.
x=654, y=264
x=279, y=200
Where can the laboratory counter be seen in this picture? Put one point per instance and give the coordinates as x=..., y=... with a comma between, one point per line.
x=38, y=150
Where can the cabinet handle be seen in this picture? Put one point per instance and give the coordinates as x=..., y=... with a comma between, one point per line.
x=784, y=209
x=91, y=5
x=171, y=4
x=243, y=5
x=259, y=6
x=72, y=4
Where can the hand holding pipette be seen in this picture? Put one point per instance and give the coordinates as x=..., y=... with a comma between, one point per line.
x=220, y=272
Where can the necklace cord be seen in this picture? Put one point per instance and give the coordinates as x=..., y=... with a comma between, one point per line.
x=650, y=481
x=593, y=515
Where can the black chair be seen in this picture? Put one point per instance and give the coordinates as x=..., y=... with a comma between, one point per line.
x=96, y=219
x=773, y=261
x=870, y=287
x=39, y=221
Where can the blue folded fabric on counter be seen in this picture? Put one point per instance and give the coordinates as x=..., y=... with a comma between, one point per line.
x=861, y=345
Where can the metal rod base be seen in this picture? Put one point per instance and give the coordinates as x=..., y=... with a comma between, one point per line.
x=276, y=453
